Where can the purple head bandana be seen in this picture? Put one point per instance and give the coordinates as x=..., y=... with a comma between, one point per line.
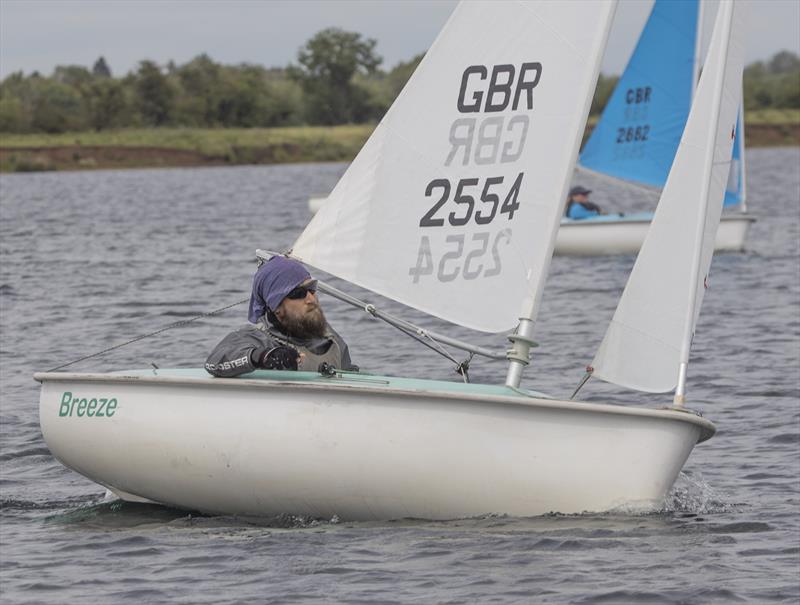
x=272, y=282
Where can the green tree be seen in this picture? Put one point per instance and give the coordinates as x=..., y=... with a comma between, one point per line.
x=382, y=88
x=154, y=94
x=13, y=117
x=327, y=65
x=56, y=107
x=784, y=62
x=200, y=83
x=107, y=104
x=100, y=68
x=243, y=97
x=787, y=90
x=753, y=86
x=15, y=103
x=283, y=104
x=400, y=74
x=74, y=76
x=774, y=84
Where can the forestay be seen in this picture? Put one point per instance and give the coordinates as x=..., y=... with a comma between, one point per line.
x=649, y=337
x=453, y=203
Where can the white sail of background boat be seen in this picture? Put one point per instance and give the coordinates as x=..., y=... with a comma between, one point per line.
x=450, y=207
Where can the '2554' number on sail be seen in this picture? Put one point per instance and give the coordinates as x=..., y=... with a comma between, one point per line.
x=450, y=265
x=489, y=199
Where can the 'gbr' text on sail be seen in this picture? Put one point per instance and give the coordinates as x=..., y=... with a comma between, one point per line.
x=494, y=103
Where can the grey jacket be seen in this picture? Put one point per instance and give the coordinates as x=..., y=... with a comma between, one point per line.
x=240, y=351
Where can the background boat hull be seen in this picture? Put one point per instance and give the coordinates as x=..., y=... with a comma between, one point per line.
x=599, y=237
x=364, y=452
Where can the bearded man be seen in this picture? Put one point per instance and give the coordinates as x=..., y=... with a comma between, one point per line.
x=287, y=329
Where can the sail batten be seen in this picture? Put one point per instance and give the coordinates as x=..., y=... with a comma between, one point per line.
x=452, y=205
x=650, y=334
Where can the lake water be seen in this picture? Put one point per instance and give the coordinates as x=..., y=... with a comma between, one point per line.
x=94, y=259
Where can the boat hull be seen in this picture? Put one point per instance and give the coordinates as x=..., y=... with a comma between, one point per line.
x=625, y=235
x=361, y=448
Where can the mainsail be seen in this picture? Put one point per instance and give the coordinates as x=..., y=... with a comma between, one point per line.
x=648, y=339
x=453, y=204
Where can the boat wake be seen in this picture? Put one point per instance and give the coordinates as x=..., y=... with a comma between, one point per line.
x=693, y=494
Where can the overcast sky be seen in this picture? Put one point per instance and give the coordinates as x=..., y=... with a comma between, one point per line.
x=37, y=35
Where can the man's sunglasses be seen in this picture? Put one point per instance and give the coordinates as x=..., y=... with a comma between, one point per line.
x=300, y=292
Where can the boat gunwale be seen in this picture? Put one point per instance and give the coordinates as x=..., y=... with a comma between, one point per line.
x=615, y=222
x=520, y=398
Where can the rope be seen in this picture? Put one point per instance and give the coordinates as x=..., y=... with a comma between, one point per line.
x=584, y=380
x=177, y=324
x=420, y=336
x=462, y=367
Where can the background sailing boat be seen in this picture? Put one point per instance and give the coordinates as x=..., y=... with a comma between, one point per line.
x=637, y=136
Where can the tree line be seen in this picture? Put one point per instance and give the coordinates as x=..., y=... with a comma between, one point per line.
x=337, y=79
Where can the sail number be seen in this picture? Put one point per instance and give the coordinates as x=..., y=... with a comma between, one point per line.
x=465, y=201
x=633, y=134
x=462, y=258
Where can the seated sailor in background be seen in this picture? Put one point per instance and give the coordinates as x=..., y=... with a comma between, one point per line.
x=288, y=330
x=578, y=204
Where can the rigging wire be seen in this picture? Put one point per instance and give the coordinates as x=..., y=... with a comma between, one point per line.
x=462, y=367
x=177, y=324
x=424, y=337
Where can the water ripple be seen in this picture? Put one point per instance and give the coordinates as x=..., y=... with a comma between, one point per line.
x=726, y=533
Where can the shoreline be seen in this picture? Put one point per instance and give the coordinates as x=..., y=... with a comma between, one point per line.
x=181, y=149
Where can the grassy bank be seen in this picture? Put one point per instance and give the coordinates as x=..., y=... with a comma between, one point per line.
x=218, y=147
x=180, y=147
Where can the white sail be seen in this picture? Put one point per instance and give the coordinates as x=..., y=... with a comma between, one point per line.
x=453, y=204
x=649, y=337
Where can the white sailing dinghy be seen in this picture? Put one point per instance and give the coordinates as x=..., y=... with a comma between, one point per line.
x=637, y=136
x=450, y=208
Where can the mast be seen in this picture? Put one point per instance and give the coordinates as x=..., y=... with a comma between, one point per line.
x=522, y=339
x=742, y=161
x=695, y=78
x=680, y=391
x=698, y=38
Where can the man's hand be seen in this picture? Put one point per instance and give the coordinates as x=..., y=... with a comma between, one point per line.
x=280, y=358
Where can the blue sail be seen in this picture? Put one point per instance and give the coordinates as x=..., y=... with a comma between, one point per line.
x=638, y=134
